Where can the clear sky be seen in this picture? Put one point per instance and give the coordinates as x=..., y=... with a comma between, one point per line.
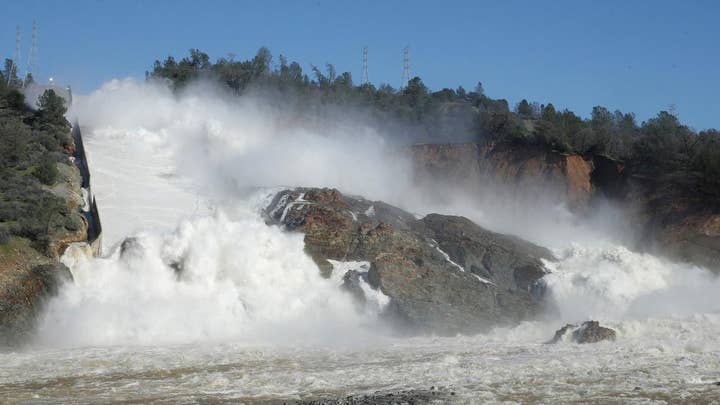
x=639, y=56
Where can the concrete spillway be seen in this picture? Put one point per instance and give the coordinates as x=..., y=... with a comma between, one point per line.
x=92, y=216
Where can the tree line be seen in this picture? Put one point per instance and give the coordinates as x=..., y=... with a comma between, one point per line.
x=660, y=146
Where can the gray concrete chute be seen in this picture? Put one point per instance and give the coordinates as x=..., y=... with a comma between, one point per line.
x=92, y=215
x=80, y=156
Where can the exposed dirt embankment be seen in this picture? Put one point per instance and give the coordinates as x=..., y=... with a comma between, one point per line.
x=522, y=167
x=672, y=213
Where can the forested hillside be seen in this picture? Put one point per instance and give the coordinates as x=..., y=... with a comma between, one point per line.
x=35, y=145
x=659, y=147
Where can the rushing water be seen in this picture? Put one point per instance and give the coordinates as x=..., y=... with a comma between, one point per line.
x=250, y=320
x=663, y=360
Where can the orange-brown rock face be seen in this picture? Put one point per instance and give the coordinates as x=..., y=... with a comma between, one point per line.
x=451, y=161
x=577, y=175
x=58, y=247
x=521, y=167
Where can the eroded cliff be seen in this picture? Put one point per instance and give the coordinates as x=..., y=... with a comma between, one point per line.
x=672, y=213
x=526, y=168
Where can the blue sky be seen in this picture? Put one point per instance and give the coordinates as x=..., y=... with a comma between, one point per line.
x=638, y=56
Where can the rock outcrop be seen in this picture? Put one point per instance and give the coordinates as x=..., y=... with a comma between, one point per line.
x=673, y=214
x=525, y=168
x=587, y=332
x=677, y=218
x=27, y=278
x=443, y=274
x=69, y=188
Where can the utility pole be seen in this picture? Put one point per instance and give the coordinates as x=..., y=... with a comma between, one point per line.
x=13, y=67
x=406, y=67
x=365, y=79
x=32, y=56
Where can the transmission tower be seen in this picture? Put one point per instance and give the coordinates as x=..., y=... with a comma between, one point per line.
x=365, y=79
x=406, y=67
x=32, y=56
x=13, y=67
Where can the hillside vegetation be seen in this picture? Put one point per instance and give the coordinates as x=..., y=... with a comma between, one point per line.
x=35, y=145
x=661, y=147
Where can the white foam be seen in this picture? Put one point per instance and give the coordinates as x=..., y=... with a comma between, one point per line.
x=611, y=282
x=375, y=300
x=240, y=280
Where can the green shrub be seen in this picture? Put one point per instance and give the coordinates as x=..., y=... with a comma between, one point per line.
x=14, y=138
x=30, y=143
x=48, y=141
x=4, y=234
x=46, y=171
x=73, y=222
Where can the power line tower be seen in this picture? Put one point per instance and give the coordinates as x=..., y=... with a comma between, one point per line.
x=32, y=63
x=406, y=67
x=13, y=67
x=365, y=79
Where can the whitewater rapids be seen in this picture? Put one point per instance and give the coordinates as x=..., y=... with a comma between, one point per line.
x=250, y=320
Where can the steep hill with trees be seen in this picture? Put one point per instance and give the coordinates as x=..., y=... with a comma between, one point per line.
x=40, y=200
x=660, y=146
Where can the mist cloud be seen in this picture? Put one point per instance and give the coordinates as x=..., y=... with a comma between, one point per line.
x=158, y=149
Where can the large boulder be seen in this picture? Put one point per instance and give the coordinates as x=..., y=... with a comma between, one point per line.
x=443, y=274
x=506, y=261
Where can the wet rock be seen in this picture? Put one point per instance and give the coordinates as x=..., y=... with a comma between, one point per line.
x=178, y=266
x=484, y=252
x=587, y=332
x=23, y=295
x=431, y=296
x=405, y=397
x=443, y=274
x=351, y=284
x=131, y=247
